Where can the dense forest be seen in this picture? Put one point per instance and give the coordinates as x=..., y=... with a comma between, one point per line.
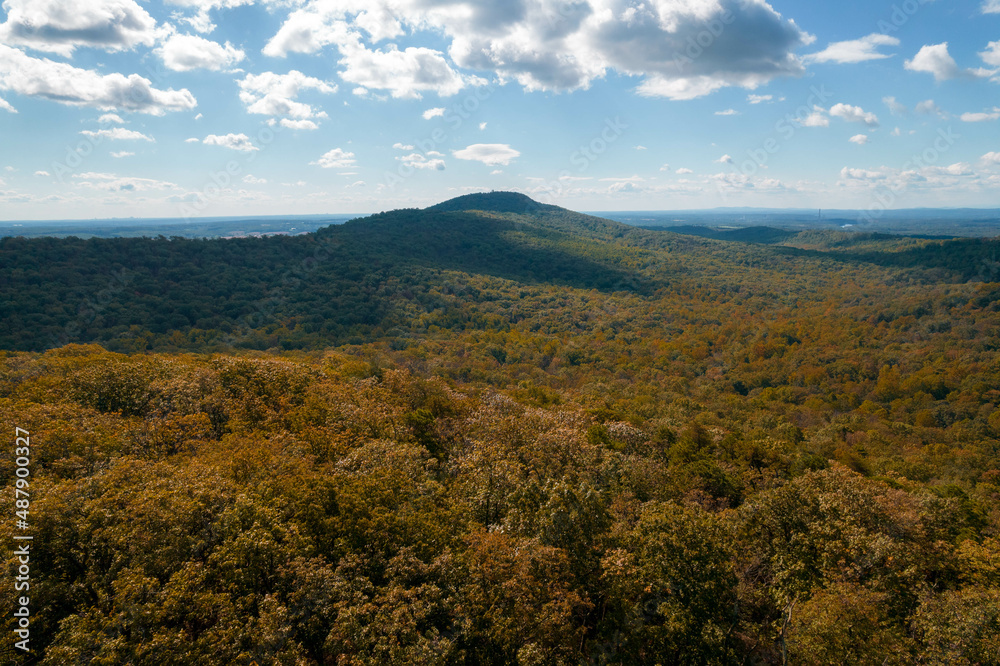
x=497, y=432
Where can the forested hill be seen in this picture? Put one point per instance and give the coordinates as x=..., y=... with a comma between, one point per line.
x=395, y=274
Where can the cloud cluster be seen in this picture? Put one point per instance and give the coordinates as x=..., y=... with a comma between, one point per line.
x=240, y=142
x=66, y=84
x=681, y=49
x=274, y=94
x=335, y=159
x=183, y=53
x=60, y=26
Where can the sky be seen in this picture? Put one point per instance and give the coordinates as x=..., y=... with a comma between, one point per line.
x=191, y=108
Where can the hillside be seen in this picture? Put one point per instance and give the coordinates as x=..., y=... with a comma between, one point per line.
x=492, y=433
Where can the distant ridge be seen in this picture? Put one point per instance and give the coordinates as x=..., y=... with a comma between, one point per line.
x=497, y=202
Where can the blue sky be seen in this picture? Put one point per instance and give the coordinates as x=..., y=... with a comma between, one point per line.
x=186, y=108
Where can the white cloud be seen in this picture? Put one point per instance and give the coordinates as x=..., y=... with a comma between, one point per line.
x=641, y=148
x=335, y=159
x=357, y=183
x=418, y=161
x=991, y=6
x=728, y=112
x=482, y=126
x=274, y=94
x=405, y=74
x=63, y=83
x=991, y=56
x=183, y=53
x=59, y=26
x=433, y=113
x=848, y=173
x=41, y=173
x=491, y=154
x=122, y=153
x=551, y=45
x=981, y=117
x=896, y=132
x=725, y=159
x=401, y=146
x=991, y=158
x=114, y=183
x=816, y=119
x=5, y=105
x=854, y=51
x=240, y=142
x=895, y=108
x=930, y=108
x=293, y=124
x=111, y=118
x=860, y=139
x=192, y=139
x=854, y=114
x=934, y=59
x=683, y=171
x=250, y=179
x=758, y=99
x=117, y=134
x=665, y=167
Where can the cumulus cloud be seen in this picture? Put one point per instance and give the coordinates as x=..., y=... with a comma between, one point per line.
x=930, y=108
x=725, y=159
x=854, y=114
x=991, y=6
x=683, y=171
x=860, y=139
x=335, y=159
x=296, y=124
x=5, y=105
x=402, y=146
x=433, y=113
x=274, y=94
x=816, y=118
x=895, y=108
x=240, y=142
x=41, y=173
x=418, y=161
x=111, y=118
x=63, y=83
x=122, y=153
x=934, y=59
x=183, y=53
x=250, y=179
x=981, y=117
x=117, y=134
x=759, y=99
x=855, y=50
x=728, y=112
x=192, y=139
x=405, y=74
x=991, y=158
x=991, y=56
x=553, y=45
x=491, y=154
x=59, y=26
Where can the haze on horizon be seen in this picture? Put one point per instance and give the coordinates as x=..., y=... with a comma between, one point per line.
x=194, y=108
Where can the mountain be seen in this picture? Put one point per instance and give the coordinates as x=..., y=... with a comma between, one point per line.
x=494, y=202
